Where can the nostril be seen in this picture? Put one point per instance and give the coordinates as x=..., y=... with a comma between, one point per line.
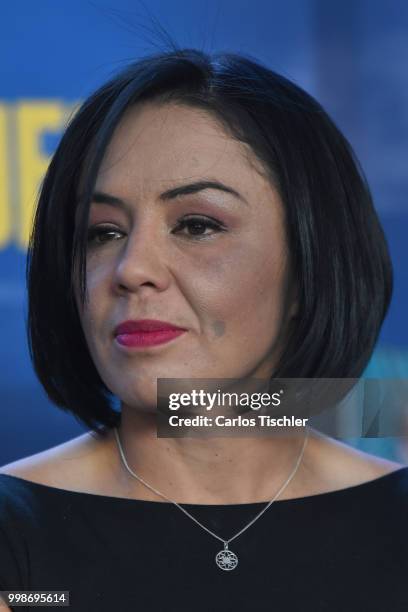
x=148, y=283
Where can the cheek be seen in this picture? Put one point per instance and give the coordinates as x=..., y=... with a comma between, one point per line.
x=256, y=296
x=245, y=285
x=99, y=267
x=219, y=328
x=95, y=315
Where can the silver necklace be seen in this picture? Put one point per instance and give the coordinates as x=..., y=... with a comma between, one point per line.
x=225, y=559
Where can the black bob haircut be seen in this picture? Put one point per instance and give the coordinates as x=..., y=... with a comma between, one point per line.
x=339, y=254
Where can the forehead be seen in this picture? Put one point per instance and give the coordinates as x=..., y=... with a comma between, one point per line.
x=155, y=146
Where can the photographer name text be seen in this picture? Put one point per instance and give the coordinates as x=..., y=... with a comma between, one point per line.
x=258, y=420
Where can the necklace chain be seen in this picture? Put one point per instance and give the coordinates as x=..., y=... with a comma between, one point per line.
x=225, y=542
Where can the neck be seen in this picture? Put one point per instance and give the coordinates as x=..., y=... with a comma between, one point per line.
x=205, y=470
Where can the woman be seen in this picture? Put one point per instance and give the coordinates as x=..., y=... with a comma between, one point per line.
x=215, y=196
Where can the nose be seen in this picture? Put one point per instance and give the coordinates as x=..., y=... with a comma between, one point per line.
x=142, y=262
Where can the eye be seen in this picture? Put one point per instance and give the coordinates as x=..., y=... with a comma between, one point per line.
x=100, y=234
x=197, y=227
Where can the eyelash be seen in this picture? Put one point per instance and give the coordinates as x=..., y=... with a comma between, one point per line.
x=208, y=222
x=103, y=230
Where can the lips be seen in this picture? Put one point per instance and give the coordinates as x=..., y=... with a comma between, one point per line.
x=146, y=332
x=144, y=325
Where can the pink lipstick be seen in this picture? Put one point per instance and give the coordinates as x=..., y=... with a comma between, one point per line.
x=146, y=332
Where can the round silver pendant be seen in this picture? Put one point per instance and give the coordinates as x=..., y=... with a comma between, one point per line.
x=226, y=559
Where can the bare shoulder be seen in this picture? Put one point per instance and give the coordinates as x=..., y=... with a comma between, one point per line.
x=336, y=465
x=66, y=465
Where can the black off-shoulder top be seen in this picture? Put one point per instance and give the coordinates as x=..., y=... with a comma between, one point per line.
x=344, y=551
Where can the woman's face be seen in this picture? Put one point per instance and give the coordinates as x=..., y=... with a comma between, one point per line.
x=212, y=261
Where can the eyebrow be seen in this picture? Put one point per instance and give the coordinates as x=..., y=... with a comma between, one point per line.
x=99, y=197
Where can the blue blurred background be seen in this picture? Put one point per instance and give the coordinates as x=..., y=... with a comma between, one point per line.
x=350, y=54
